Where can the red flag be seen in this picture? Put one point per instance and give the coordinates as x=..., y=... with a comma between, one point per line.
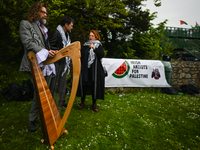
x=197, y=26
x=183, y=22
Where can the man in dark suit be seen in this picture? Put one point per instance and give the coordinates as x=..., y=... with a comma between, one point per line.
x=33, y=35
x=58, y=39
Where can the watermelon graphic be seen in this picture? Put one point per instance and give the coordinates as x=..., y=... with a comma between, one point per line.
x=122, y=71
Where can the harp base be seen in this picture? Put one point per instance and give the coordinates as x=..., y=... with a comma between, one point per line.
x=52, y=147
x=66, y=132
x=42, y=140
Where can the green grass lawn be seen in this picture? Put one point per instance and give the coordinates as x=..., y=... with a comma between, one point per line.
x=137, y=120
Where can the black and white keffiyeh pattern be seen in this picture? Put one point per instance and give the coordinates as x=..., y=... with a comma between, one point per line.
x=92, y=56
x=66, y=41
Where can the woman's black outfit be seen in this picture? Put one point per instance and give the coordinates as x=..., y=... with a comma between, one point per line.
x=92, y=79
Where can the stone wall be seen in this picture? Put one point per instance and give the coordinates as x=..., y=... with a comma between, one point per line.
x=185, y=72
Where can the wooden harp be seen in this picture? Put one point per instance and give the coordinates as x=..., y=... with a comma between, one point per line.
x=52, y=123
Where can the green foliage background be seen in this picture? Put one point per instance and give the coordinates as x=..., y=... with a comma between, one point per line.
x=124, y=27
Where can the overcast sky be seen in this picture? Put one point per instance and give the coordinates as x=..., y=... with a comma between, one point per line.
x=176, y=10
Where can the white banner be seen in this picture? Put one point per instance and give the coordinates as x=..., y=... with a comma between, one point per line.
x=134, y=73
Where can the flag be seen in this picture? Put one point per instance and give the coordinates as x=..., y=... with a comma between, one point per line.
x=183, y=22
x=197, y=26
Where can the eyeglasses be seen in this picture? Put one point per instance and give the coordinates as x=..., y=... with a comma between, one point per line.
x=44, y=12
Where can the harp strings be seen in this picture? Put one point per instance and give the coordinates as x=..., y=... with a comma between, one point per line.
x=34, y=62
x=58, y=85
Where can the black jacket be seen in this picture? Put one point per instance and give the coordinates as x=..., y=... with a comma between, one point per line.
x=55, y=40
x=95, y=73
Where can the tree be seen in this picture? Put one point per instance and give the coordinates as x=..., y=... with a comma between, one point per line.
x=12, y=11
x=135, y=20
x=116, y=21
x=149, y=44
x=88, y=15
x=157, y=3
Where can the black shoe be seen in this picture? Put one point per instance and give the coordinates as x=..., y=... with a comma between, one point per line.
x=32, y=126
x=81, y=106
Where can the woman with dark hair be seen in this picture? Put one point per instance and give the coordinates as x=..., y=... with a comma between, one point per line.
x=92, y=74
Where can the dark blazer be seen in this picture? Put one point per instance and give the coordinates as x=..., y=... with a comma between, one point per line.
x=32, y=40
x=55, y=40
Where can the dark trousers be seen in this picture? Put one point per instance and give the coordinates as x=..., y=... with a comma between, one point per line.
x=34, y=111
x=85, y=88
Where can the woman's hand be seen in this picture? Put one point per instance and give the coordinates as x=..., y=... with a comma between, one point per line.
x=92, y=45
